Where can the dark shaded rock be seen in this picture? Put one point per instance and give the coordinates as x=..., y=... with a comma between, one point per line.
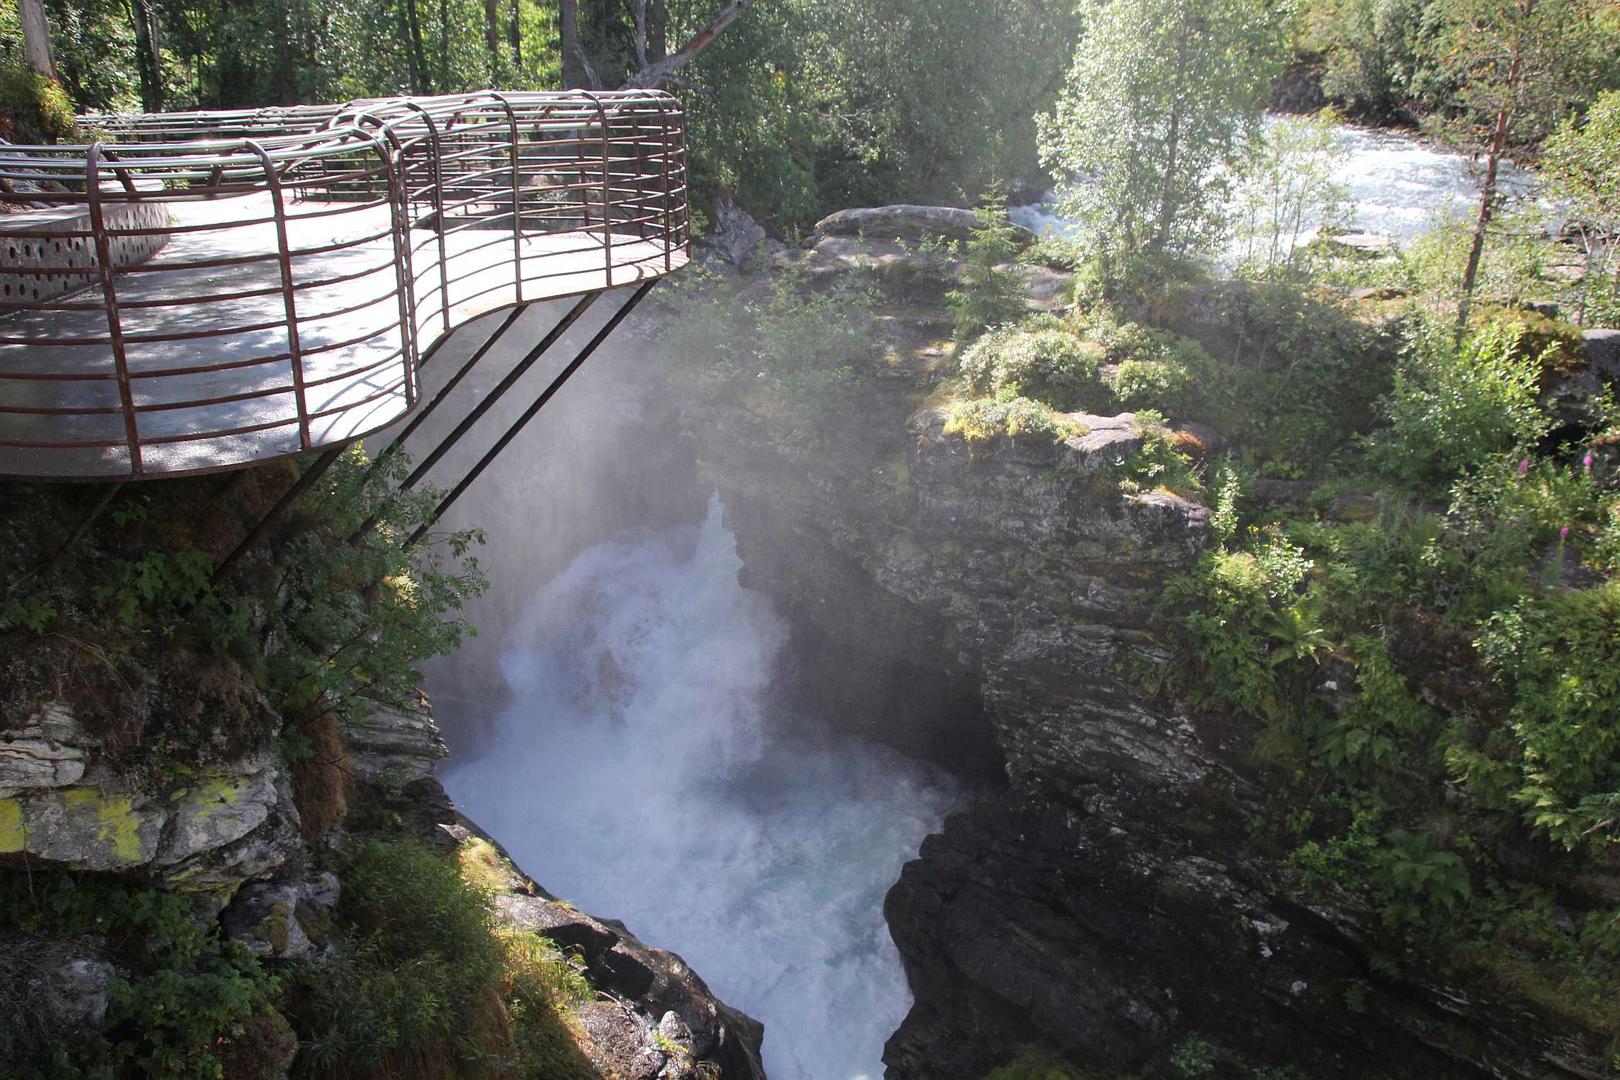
x=1113, y=944
x=734, y=238
x=1299, y=89
x=1603, y=347
x=52, y=990
x=285, y=920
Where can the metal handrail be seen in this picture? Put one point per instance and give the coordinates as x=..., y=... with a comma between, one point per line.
x=374, y=227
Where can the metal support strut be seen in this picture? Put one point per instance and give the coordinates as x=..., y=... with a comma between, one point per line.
x=316, y=470
x=529, y=414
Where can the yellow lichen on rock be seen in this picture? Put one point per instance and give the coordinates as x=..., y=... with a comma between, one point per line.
x=13, y=835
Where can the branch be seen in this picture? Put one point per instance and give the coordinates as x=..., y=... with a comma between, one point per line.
x=656, y=74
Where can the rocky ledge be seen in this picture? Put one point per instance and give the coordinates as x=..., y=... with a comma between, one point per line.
x=89, y=783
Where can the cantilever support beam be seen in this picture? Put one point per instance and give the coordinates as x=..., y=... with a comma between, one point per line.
x=529, y=414
x=522, y=367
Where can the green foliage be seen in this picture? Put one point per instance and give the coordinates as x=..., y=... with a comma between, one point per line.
x=1148, y=145
x=984, y=420
x=185, y=999
x=1583, y=159
x=1289, y=187
x=991, y=292
x=1373, y=52
x=1560, y=653
x=1035, y=1064
x=1044, y=358
x=1454, y=408
x=1159, y=465
x=361, y=616
x=425, y=983
x=794, y=357
x=1153, y=369
x=33, y=109
x=1377, y=730
x=1195, y=1057
x=1287, y=374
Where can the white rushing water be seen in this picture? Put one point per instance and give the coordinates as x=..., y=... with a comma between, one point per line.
x=1400, y=186
x=640, y=773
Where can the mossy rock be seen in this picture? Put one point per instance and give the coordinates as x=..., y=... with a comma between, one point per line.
x=33, y=109
x=1558, y=345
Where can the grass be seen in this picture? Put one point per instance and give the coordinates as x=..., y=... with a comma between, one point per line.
x=427, y=982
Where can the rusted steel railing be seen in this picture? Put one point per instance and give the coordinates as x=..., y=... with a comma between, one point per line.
x=202, y=291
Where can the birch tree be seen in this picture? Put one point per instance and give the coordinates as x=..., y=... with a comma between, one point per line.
x=1513, y=61
x=1161, y=101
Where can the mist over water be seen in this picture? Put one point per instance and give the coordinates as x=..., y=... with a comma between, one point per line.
x=642, y=773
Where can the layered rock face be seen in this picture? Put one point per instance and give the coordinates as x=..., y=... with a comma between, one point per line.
x=1108, y=902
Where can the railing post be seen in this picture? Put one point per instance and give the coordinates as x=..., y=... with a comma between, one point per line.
x=607, y=185
x=115, y=324
x=278, y=205
x=404, y=271
x=438, y=206
x=665, y=194
x=517, y=189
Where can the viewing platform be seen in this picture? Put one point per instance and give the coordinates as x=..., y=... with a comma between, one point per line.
x=209, y=291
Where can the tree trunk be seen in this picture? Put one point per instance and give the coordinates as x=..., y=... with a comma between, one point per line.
x=36, y=37
x=148, y=60
x=657, y=31
x=492, y=38
x=443, y=80
x=575, y=69
x=514, y=34
x=1487, y=198
x=415, y=54
x=1172, y=153
x=661, y=71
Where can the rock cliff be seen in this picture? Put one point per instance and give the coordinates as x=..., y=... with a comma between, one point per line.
x=991, y=606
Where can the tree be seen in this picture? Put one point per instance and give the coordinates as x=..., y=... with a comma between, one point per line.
x=1161, y=101
x=1583, y=159
x=36, y=33
x=1289, y=187
x=1513, y=62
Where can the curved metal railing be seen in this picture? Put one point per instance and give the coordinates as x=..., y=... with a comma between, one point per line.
x=208, y=290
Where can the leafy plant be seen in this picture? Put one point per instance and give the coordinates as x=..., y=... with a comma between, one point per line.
x=1044, y=359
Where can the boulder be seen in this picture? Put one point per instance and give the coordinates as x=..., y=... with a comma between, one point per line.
x=905, y=222
x=52, y=990
x=734, y=237
x=284, y=920
x=1603, y=347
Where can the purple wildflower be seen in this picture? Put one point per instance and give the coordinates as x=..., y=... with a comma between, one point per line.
x=1524, y=466
x=1563, y=534
x=1588, y=461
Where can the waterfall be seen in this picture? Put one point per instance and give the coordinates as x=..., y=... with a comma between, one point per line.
x=642, y=772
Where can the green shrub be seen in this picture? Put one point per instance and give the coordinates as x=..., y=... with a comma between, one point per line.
x=1160, y=464
x=1559, y=652
x=1036, y=1064
x=185, y=1001
x=980, y=421
x=1154, y=369
x=1556, y=345
x=425, y=982
x=1044, y=359
x=1456, y=407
